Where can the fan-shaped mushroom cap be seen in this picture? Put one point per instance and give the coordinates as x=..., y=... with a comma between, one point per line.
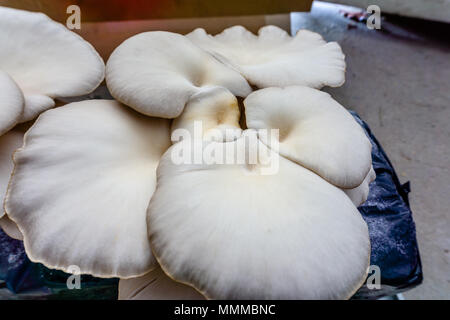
x=45, y=59
x=156, y=73
x=81, y=186
x=275, y=59
x=315, y=131
x=359, y=194
x=244, y=235
x=156, y=285
x=11, y=102
x=217, y=112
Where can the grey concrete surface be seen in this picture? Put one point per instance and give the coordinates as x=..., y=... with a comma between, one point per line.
x=398, y=80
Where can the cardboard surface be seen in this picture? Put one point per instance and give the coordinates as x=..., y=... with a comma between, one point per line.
x=117, y=10
x=106, y=36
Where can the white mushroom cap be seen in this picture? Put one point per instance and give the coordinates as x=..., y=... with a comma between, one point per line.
x=156, y=285
x=244, y=235
x=275, y=59
x=359, y=194
x=217, y=112
x=315, y=131
x=156, y=73
x=8, y=144
x=81, y=186
x=11, y=103
x=45, y=59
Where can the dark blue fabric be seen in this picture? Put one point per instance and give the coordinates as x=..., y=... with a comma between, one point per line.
x=391, y=227
x=19, y=273
x=32, y=280
x=386, y=211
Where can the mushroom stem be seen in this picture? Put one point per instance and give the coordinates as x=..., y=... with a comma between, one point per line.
x=216, y=110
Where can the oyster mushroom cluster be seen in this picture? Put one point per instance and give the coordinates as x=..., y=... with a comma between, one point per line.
x=95, y=183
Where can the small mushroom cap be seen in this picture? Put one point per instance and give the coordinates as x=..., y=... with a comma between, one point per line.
x=11, y=103
x=314, y=130
x=244, y=235
x=156, y=285
x=9, y=142
x=359, y=194
x=217, y=112
x=156, y=73
x=275, y=59
x=10, y=228
x=81, y=186
x=46, y=60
